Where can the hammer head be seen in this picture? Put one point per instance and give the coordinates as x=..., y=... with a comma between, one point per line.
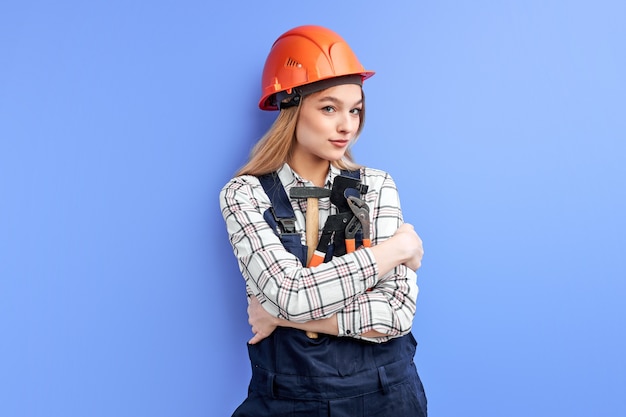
x=309, y=192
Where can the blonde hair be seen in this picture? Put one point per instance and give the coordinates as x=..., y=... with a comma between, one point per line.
x=275, y=147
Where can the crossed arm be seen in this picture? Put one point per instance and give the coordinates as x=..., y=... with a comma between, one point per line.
x=405, y=247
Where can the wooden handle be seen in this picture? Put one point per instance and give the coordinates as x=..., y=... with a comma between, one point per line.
x=312, y=234
x=312, y=226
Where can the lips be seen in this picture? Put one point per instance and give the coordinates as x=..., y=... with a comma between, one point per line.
x=340, y=142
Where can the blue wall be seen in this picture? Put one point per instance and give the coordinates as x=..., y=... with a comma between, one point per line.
x=503, y=123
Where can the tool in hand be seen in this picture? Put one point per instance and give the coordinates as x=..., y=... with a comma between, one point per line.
x=312, y=195
x=360, y=221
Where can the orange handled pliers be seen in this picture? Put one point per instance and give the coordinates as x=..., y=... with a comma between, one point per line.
x=334, y=223
x=360, y=221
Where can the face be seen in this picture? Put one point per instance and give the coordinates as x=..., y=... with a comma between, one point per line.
x=328, y=123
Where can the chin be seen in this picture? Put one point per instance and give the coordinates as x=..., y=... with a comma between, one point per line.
x=335, y=157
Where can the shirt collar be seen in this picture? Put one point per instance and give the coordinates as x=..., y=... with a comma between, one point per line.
x=289, y=177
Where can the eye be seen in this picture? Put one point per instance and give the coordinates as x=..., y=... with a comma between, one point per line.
x=328, y=109
x=357, y=111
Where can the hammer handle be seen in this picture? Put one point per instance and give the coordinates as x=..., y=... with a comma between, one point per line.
x=312, y=233
x=312, y=226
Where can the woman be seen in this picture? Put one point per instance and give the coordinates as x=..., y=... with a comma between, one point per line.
x=332, y=339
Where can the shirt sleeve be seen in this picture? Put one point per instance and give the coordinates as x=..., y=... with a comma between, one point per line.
x=389, y=307
x=286, y=288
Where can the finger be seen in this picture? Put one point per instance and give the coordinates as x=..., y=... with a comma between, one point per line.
x=256, y=339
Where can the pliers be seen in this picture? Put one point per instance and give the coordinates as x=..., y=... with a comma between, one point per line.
x=334, y=224
x=360, y=221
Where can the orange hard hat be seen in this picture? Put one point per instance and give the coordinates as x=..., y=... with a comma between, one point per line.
x=305, y=55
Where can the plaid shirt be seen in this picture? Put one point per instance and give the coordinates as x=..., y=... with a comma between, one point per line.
x=290, y=291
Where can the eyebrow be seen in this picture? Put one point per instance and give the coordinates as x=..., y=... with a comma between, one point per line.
x=336, y=101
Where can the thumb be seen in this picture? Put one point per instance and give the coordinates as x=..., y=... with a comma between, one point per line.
x=255, y=339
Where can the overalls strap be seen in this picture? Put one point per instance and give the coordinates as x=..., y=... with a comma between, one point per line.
x=281, y=216
x=356, y=174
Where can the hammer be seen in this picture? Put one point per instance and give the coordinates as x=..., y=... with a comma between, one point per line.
x=312, y=195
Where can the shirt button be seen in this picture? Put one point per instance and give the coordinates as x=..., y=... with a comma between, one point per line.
x=348, y=331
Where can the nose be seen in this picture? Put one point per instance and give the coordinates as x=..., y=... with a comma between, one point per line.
x=348, y=123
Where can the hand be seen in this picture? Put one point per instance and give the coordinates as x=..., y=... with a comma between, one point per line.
x=262, y=322
x=403, y=248
x=411, y=243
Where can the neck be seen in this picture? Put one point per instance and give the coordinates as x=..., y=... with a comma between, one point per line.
x=315, y=171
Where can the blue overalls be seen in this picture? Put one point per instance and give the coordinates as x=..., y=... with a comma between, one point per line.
x=294, y=375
